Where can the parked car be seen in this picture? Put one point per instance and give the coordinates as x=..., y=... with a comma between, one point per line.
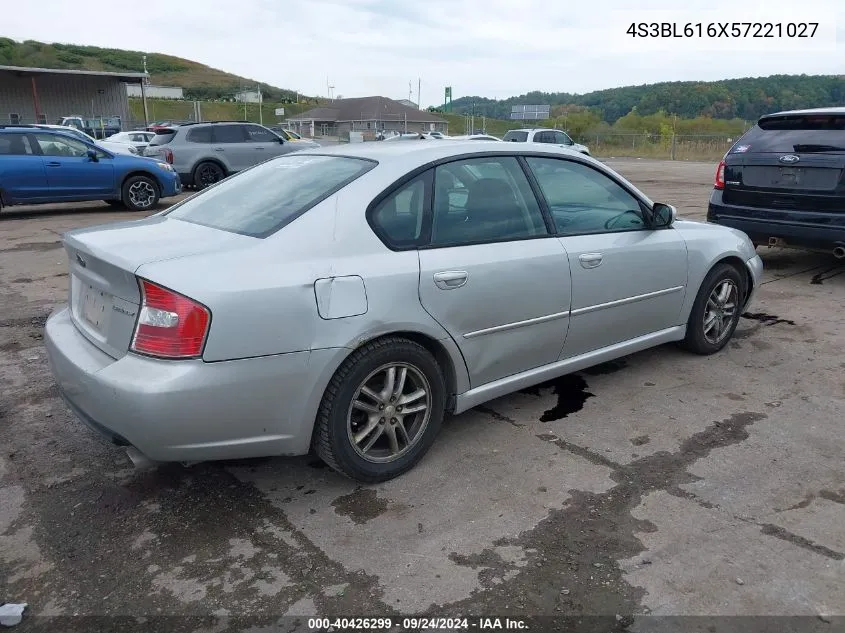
x=107, y=144
x=167, y=123
x=44, y=165
x=413, y=136
x=287, y=135
x=205, y=153
x=137, y=139
x=475, y=137
x=325, y=300
x=99, y=127
x=545, y=135
x=438, y=135
x=782, y=182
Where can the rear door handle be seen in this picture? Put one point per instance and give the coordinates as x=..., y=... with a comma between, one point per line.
x=450, y=279
x=590, y=260
x=54, y=164
x=218, y=149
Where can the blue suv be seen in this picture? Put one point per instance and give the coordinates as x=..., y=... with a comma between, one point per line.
x=40, y=165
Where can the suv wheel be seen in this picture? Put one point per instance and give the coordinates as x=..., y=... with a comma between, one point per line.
x=140, y=193
x=381, y=410
x=206, y=174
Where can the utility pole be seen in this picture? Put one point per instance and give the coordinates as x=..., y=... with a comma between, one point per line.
x=144, y=93
x=419, y=89
x=260, y=106
x=472, y=119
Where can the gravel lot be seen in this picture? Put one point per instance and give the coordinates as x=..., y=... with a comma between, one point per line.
x=662, y=484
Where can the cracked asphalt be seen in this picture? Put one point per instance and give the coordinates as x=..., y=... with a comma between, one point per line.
x=663, y=484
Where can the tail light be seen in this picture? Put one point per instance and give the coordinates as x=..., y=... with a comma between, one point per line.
x=720, y=176
x=169, y=325
x=168, y=156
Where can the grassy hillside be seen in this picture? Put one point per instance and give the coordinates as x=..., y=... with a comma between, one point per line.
x=198, y=80
x=747, y=98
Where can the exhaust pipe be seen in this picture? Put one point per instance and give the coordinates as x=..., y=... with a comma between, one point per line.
x=138, y=459
x=839, y=252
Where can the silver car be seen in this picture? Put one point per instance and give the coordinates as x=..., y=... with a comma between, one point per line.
x=205, y=153
x=344, y=299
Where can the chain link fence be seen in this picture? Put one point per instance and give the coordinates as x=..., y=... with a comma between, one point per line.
x=668, y=147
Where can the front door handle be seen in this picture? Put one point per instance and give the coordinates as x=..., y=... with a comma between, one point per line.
x=450, y=279
x=218, y=149
x=54, y=164
x=590, y=260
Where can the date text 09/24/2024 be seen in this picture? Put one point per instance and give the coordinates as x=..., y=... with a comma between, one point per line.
x=768, y=30
x=416, y=624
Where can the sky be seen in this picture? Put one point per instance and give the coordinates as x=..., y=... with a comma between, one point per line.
x=490, y=48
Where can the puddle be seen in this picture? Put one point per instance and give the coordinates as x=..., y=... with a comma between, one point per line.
x=571, y=392
x=766, y=319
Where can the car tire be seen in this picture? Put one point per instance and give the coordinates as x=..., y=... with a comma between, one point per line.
x=140, y=193
x=206, y=174
x=398, y=437
x=716, y=311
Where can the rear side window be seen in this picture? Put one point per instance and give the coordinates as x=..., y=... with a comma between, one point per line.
x=794, y=133
x=516, y=136
x=263, y=199
x=199, y=135
x=163, y=137
x=399, y=218
x=258, y=134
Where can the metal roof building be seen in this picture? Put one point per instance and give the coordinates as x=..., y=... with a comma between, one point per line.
x=43, y=95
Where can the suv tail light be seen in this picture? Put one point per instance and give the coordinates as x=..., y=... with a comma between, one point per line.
x=169, y=325
x=720, y=176
x=168, y=156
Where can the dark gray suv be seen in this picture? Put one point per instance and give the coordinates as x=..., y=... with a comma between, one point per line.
x=203, y=153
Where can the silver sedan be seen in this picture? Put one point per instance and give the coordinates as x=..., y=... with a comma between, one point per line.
x=344, y=299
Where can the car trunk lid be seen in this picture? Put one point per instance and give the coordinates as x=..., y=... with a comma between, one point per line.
x=104, y=295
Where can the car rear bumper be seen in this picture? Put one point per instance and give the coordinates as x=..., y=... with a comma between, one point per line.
x=191, y=410
x=803, y=229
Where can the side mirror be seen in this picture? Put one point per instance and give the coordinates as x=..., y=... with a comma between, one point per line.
x=92, y=156
x=663, y=215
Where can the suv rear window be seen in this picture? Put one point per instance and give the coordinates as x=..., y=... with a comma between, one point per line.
x=795, y=133
x=516, y=136
x=263, y=199
x=163, y=137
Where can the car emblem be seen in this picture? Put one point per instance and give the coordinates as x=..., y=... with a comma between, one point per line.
x=81, y=261
x=789, y=158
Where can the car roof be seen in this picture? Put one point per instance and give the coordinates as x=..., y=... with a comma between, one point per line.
x=829, y=110
x=410, y=155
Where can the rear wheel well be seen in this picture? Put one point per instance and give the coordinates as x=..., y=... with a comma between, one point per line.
x=740, y=266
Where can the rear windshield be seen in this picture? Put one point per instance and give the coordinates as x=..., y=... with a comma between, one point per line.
x=163, y=137
x=263, y=199
x=518, y=137
x=795, y=133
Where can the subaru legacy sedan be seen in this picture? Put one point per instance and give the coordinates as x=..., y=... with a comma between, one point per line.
x=342, y=300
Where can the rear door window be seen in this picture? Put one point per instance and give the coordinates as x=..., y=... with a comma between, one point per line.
x=15, y=145
x=263, y=199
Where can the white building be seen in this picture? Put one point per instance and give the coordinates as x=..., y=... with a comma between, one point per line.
x=248, y=96
x=155, y=92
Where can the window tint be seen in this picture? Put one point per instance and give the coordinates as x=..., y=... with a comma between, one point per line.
x=14, y=145
x=228, y=134
x=483, y=200
x=794, y=134
x=544, y=137
x=516, y=136
x=258, y=134
x=55, y=145
x=263, y=199
x=400, y=216
x=583, y=200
